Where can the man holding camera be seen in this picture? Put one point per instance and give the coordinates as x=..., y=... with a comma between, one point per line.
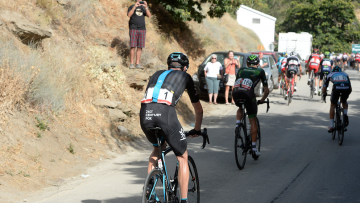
x=137, y=30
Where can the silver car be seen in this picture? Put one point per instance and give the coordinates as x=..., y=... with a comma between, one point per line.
x=272, y=75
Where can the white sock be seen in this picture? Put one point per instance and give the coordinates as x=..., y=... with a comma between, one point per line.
x=315, y=89
x=331, y=123
x=345, y=111
x=253, y=144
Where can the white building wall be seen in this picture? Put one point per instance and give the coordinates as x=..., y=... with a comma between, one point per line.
x=262, y=24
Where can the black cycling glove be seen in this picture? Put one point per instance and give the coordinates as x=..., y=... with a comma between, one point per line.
x=194, y=132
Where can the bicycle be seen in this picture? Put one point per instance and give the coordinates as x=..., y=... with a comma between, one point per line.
x=243, y=143
x=282, y=85
x=159, y=188
x=312, y=84
x=321, y=92
x=338, y=122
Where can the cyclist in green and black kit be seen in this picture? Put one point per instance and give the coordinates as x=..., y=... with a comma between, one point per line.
x=246, y=80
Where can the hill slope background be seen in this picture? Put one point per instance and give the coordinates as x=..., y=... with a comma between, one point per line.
x=51, y=123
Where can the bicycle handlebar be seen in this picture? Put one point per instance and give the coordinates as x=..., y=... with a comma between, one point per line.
x=204, y=135
x=267, y=102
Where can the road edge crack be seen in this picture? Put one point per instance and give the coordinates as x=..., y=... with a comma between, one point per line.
x=293, y=181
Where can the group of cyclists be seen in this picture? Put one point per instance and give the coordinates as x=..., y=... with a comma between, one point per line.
x=165, y=88
x=322, y=65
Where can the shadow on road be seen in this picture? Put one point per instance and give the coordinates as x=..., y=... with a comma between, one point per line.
x=280, y=134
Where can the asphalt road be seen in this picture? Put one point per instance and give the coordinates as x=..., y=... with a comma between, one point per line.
x=299, y=161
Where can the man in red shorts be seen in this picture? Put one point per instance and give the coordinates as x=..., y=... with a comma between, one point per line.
x=137, y=30
x=313, y=64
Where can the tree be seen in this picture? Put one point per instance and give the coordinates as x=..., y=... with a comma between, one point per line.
x=187, y=10
x=332, y=23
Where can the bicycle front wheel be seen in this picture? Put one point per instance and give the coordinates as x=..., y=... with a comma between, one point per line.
x=333, y=134
x=155, y=189
x=341, y=128
x=193, y=186
x=258, y=140
x=240, y=152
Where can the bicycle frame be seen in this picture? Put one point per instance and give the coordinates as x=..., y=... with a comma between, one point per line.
x=162, y=167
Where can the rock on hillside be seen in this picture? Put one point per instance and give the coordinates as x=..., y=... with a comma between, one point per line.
x=27, y=31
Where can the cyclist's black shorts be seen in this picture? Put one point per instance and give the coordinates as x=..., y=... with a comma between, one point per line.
x=322, y=73
x=344, y=59
x=336, y=93
x=338, y=60
x=291, y=70
x=250, y=104
x=161, y=115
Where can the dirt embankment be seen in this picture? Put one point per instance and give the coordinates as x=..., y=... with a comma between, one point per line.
x=51, y=124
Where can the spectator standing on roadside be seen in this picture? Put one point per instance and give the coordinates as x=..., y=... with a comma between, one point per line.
x=262, y=64
x=211, y=72
x=230, y=64
x=137, y=30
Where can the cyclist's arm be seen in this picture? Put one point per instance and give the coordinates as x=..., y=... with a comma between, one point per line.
x=198, y=115
x=265, y=84
x=195, y=102
x=308, y=61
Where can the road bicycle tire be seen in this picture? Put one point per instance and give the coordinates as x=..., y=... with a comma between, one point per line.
x=194, y=185
x=156, y=189
x=240, y=145
x=312, y=84
x=290, y=93
x=341, y=128
x=258, y=140
x=281, y=87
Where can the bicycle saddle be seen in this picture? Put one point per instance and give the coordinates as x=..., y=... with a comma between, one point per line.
x=153, y=129
x=241, y=101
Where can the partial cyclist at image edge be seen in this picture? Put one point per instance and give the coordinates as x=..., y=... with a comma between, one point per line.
x=163, y=92
x=341, y=89
x=279, y=62
x=246, y=80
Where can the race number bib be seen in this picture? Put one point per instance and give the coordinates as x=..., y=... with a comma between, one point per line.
x=340, y=78
x=165, y=96
x=244, y=83
x=314, y=64
x=326, y=63
x=293, y=62
x=315, y=60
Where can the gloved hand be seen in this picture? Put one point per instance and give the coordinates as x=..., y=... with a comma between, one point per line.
x=194, y=132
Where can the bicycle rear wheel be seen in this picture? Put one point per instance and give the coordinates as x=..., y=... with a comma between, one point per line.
x=155, y=189
x=341, y=127
x=194, y=185
x=240, y=146
x=258, y=140
x=290, y=93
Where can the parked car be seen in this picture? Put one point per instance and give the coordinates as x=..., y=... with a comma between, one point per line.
x=272, y=75
x=199, y=77
x=275, y=55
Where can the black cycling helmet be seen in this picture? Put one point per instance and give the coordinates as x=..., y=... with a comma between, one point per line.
x=253, y=59
x=336, y=69
x=180, y=58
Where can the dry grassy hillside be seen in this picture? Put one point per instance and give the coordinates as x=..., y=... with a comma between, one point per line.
x=49, y=127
